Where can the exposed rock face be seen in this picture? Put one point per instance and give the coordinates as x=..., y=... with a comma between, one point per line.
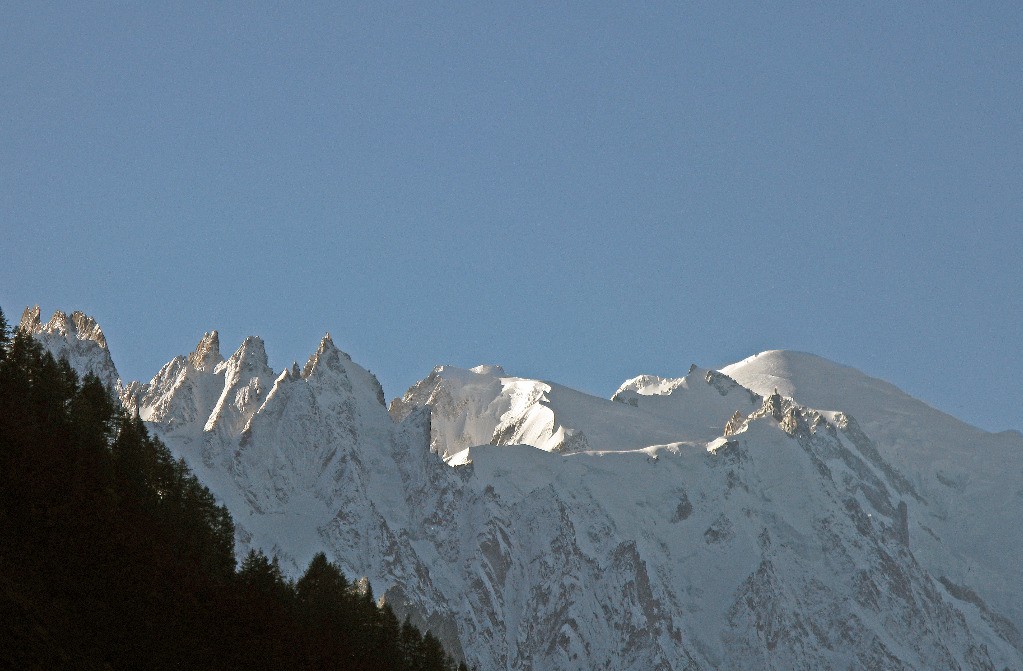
x=695, y=524
x=734, y=424
x=207, y=353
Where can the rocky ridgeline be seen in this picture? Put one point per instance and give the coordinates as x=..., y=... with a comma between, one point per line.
x=77, y=338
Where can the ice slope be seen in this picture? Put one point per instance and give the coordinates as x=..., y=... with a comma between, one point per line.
x=781, y=550
x=970, y=499
x=484, y=405
x=785, y=544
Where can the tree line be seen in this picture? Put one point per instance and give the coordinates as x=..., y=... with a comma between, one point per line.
x=114, y=556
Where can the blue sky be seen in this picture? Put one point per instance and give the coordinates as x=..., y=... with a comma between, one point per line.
x=578, y=191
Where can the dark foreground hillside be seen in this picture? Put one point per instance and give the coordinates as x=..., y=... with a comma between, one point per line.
x=115, y=557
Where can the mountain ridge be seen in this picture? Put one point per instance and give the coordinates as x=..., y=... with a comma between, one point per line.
x=693, y=552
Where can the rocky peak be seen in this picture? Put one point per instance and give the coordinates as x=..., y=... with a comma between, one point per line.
x=327, y=355
x=247, y=379
x=735, y=424
x=250, y=356
x=59, y=323
x=88, y=328
x=774, y=406
x=78, y=326
x=77, y=338
x=792, y=423
x=30, y=322
x=206, y=356
x=329, y=367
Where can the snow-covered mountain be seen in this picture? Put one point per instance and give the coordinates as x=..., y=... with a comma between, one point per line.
x=968, y=483
x=701, y=522
x=485, y=406
x=77, y=338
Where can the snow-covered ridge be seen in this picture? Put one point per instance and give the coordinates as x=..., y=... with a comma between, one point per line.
x=205, y=392
x=717, y=520
x=76, y=338
x=967, y=479
x=483, y=405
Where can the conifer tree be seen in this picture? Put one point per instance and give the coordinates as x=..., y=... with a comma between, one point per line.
x=323, y=600
x=114, y=556
x=411, y=646
x=4, y=333
x=434, y=658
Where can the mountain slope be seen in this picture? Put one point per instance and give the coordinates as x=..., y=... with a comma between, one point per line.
x=700, y=524
x=968, y=480
x=483, y=406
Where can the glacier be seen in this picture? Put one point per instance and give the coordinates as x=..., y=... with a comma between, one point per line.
x=784, y=512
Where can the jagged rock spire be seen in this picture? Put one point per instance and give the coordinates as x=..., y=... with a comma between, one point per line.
x=207, y=353
x=247, y=379
x=773, y=404
x=88, y=328
x=58, y=322
x=30, y=319
x=791, y=422
x=79, y=325
x=734, y=424
x=77, y=338
x=252, y=352
x=327, y=354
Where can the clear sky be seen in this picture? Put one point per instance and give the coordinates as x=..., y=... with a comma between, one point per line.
x=579, y=191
